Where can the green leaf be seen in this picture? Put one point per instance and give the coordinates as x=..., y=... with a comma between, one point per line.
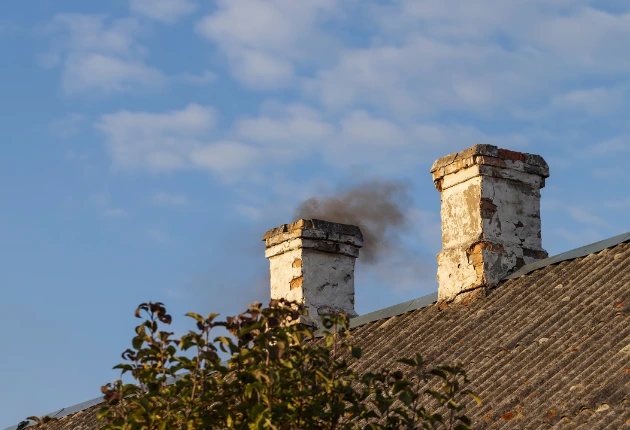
x=356, y=352
x=196, y=317
x=473, y=396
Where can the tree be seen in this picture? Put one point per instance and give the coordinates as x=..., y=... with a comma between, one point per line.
x=279, y=375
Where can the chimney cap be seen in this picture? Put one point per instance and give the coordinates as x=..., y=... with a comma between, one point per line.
x=315, y=229
x=490, y=155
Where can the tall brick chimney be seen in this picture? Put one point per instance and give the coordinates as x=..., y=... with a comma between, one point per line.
x=312, y=262
x=490, y=217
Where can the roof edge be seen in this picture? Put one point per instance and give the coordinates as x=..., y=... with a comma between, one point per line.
x=570, y=255
x=391, y=311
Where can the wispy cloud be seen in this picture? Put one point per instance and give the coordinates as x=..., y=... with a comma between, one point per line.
x=593, y=101
x=248, y=211
x=577, y=237
x=279, y=33
x=585, y=216
x=619, y=144
x=196, y=79
x=174, y=140
x=281, y=134
x=167, y=11
x=156, y=141
x=225, y=156
x=100, y=54
x=97, y=53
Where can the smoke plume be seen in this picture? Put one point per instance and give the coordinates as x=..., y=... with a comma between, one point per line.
x=378, y=207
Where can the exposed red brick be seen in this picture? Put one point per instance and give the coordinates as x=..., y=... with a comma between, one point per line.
x=511, y=155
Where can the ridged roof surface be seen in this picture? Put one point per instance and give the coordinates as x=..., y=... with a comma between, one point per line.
x=550, y=349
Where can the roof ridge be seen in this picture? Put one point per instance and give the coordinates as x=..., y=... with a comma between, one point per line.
x=582, y=251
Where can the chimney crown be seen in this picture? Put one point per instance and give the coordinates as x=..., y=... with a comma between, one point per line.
x=312, y=262
x=490, y=216
x=491, y=157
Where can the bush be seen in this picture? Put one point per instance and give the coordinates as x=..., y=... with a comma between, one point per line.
x=279, y=375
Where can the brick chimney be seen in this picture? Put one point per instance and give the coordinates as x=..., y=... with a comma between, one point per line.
x=312, y=262
x=490, y=217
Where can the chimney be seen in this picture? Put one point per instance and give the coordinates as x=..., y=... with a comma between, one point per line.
x=490, y=218
x=312, y=262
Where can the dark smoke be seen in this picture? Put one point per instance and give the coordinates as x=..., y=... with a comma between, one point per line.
x=377, y=207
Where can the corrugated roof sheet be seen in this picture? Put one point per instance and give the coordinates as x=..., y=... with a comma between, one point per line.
x=570, y=255
x=548, y=348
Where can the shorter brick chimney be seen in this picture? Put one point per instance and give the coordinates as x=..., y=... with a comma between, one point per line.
x=490, y=217
x=312, y=262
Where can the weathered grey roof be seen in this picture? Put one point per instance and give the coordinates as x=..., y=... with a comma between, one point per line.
x=549, y=347
x=570, y=255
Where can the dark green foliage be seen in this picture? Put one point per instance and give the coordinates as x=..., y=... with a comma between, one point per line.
x=278, y=376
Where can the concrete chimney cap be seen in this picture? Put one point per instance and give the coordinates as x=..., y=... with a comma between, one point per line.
x=491, y=155
x=315, y=229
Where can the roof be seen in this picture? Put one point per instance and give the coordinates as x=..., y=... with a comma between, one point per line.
x=548, y=348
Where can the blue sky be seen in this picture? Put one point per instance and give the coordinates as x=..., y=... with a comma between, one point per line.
x=146, y=146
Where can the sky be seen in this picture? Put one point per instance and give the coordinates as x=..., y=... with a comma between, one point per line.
x=147, y=145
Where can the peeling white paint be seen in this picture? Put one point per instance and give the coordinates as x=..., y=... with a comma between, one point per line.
x=490, y=216
x=312, y=262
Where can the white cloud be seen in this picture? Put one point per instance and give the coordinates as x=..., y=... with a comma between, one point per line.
x=587, y=38
x=282, y=134
x=156, y=141
x=594, y=101
x=107, y=73
x=286, y=131
x=167, y=11
x=165, y=199
x=197, y=79
x=430, y=56
x=87, y=33
x=173, y=140
x=98, y=53
x=289, y=132
x=361, y=128
x=422, y=75
x=225, y=157
x=263, y=39
x=261, y=70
